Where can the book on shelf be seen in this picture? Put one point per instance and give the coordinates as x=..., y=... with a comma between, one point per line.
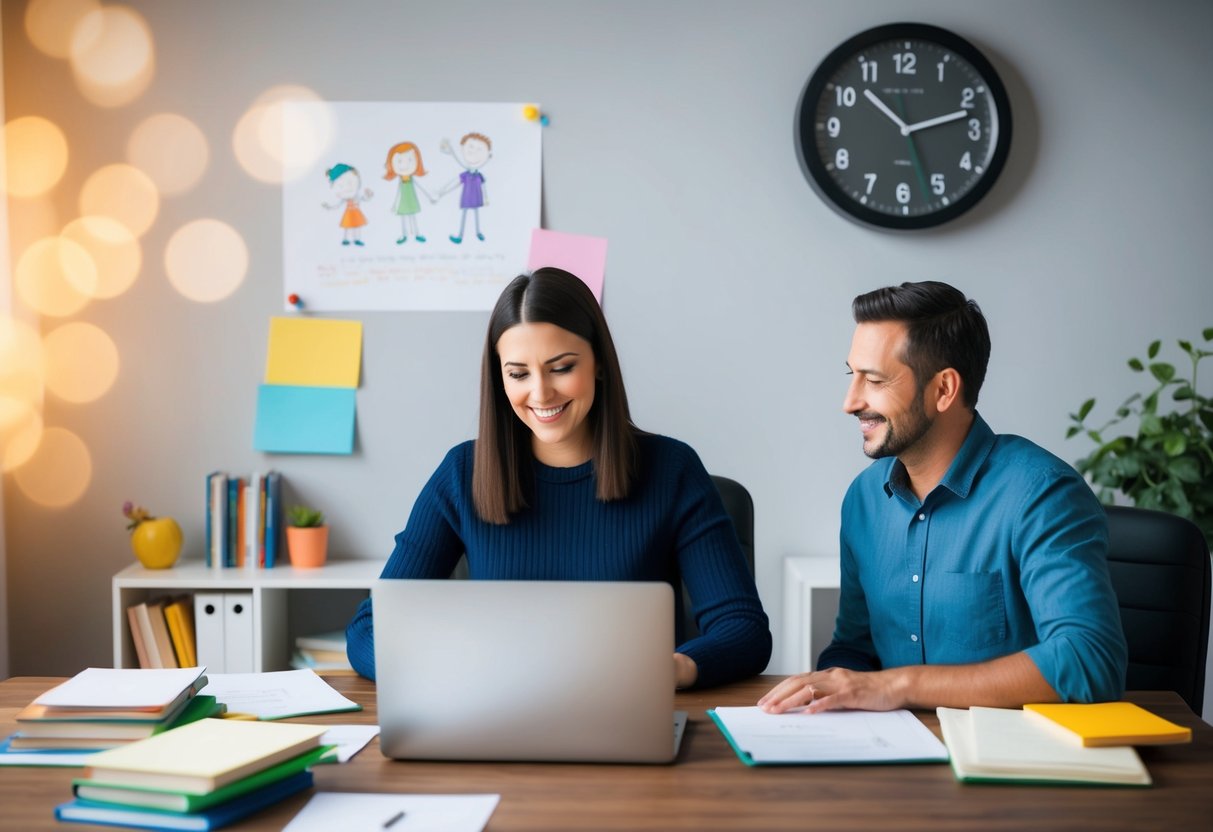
x=215, y=817
x=322, y=651
x=170, y=801
x=164, y=642
x=1012, y=745
x=203, y=756
x=36, y=730
x=137, y=634
x=243, y=519
x=179, y=615
x=1109, y=723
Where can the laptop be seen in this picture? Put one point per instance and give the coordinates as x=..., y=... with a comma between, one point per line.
x=552, y=671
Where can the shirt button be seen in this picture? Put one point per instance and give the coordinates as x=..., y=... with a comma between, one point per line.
x=914, y=579
x=922, y=517
x=913, y=637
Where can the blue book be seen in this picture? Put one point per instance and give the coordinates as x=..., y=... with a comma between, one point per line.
x=107, y=814
x=273, y=517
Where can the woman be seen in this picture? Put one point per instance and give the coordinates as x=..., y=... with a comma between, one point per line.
x=404, y=165
x=560, y=485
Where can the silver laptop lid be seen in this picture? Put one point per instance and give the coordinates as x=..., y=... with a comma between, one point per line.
x=525, y=670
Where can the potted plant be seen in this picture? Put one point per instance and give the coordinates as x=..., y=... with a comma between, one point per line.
x=156, y=541
x=1167, y=464
x=307, y=538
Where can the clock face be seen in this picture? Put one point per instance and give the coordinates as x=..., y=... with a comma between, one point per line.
x=903, y=126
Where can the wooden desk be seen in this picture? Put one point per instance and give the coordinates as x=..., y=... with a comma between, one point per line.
x=708, y=787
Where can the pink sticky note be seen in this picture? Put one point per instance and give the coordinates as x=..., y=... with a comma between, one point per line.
x=583, y=256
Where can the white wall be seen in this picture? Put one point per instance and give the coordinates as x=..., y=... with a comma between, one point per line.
x=729, y=281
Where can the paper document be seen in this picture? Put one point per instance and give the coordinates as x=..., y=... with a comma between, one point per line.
x=349, y=739
x=327, y=811
x=278, y=694
x=831, y=737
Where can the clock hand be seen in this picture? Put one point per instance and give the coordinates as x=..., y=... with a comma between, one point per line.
x=931, y=122
x=917, y=163
x=880, y=105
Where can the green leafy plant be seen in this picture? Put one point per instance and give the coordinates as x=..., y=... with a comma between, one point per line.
x=1168, y=464
x=305, y=518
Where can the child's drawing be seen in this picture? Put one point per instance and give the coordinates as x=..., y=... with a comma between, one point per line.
x=346, y=184
x=404, y=164
x=477, y=151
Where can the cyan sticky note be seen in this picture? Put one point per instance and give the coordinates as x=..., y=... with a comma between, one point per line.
x=304, y=420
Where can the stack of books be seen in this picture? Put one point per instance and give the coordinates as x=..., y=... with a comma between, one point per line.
x=201, y=776
x=321, y=652
x=104, y=708
x=163, y=632
x=243, y=519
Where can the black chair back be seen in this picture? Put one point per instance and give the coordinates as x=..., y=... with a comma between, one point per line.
x=1160, y=570
x=740, y=508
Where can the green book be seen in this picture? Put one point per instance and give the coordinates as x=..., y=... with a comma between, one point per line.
x=170, y=801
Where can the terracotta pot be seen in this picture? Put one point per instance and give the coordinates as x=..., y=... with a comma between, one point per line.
x=308, y=547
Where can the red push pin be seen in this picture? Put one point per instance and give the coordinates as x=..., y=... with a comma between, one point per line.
x=294, y=300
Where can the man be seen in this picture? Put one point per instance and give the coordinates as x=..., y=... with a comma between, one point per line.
x=973, y=564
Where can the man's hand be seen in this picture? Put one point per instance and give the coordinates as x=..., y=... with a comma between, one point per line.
x=826, y=690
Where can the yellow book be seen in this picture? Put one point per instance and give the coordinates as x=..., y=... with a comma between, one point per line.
x=179, y=615
x=1111, y=723
x=202, y=756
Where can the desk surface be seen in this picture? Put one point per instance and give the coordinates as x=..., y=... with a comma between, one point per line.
x=708, y=787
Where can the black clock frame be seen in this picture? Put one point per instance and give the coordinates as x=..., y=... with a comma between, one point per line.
x=805, y=126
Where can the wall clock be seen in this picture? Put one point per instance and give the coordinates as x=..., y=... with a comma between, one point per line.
x=904, y=126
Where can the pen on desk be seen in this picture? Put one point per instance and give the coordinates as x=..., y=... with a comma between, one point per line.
x=392, y=819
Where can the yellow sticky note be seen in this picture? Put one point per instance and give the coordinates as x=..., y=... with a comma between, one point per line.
x=312, y=352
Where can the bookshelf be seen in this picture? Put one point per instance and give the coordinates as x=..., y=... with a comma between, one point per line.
x=270, y=592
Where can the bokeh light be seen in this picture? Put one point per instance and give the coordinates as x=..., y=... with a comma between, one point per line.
x=50, y=23
x=112, y=56
x=58, y=472
x=115, y=253
x=22, y=371
x=30, y=220
x=259, y=138
x=20, y=438
x=35, y=156
x=81, y=362
x=171, y=150
x=124, y=193
x=206, y=260
x=42, y=280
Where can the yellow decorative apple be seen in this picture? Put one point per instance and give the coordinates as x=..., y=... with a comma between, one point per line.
x=156, y=541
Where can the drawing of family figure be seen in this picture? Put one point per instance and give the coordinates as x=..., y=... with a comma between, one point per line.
x=346, y=185
x=404, y=164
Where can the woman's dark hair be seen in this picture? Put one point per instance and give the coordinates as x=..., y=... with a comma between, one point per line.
x=503, y=448
x=945, y=330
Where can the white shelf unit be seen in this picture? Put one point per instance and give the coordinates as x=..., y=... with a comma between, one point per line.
x=810, y=605
x=269, y=590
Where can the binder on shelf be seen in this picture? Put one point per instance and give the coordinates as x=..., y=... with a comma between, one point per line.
x=208, y=627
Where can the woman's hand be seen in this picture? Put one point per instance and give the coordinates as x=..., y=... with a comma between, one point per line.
x=685, y=671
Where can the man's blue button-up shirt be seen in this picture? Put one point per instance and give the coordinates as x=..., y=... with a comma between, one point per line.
x=1008, y=553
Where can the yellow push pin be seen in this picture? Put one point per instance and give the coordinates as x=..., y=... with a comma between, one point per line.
x=530, y=112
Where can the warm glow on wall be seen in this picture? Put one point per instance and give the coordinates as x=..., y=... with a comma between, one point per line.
x=124, y=193
x=258, y=137
x=42, y=277
x=171, y=150
x=115, y=253
x=111, y=55
x=20, y=438
x=206, y=260
x=35, y=156
x=58, y=472
x=81, y=362
x=30, y=220
x=22, y=371
x=50, y=23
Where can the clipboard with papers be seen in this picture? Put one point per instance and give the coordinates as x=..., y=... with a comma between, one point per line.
x=797, y=738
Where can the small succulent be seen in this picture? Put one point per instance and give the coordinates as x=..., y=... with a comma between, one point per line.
x=306, y=518
x=135, y=515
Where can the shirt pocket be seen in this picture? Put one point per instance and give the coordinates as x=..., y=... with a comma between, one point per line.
x=971, y=609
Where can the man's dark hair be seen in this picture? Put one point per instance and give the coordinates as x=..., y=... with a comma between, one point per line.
x=945, y=330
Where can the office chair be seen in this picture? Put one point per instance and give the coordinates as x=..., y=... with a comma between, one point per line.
x=740, y=508
x=1160, y=570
